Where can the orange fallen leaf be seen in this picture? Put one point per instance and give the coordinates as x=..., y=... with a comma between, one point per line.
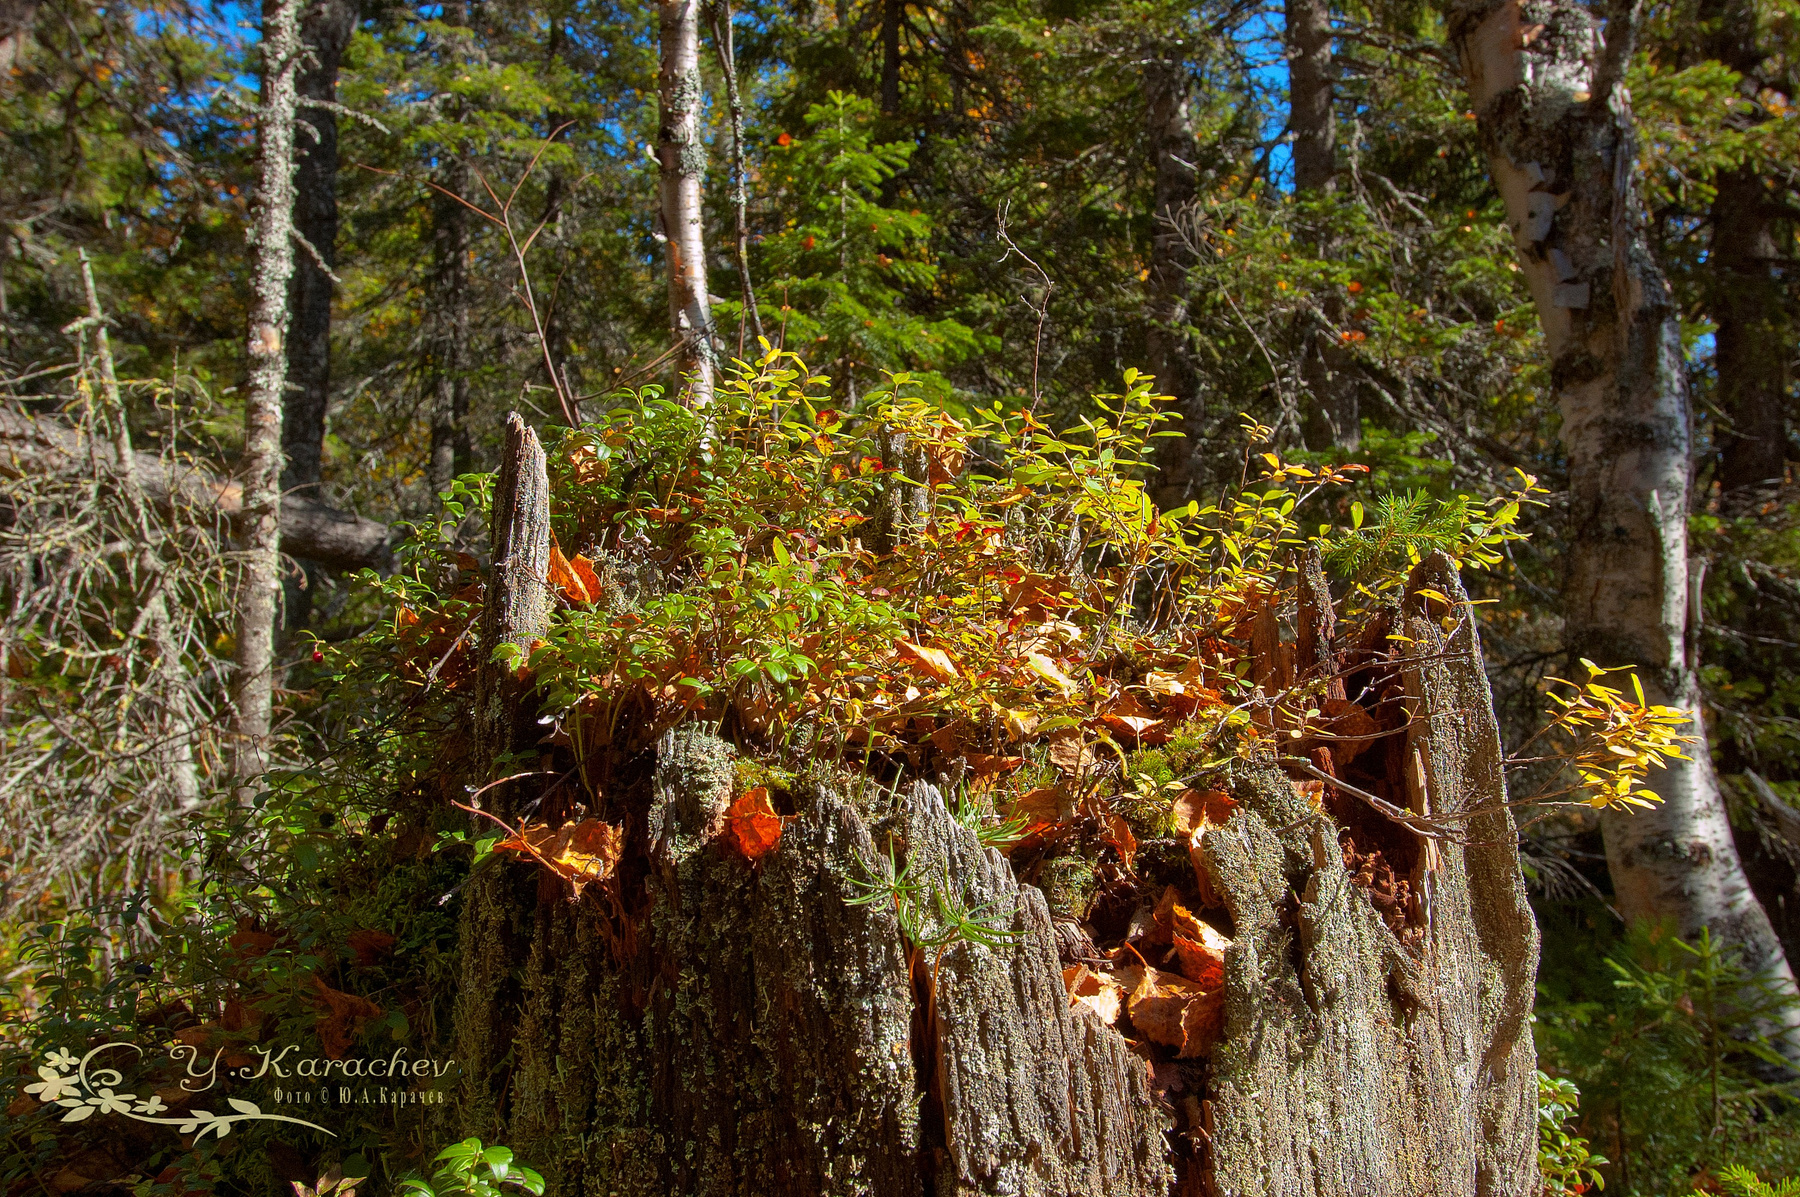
x=1043, y=807
x=345, y=1014
x=1129, y=718
x=1194, y=808
x=983, y=765
x=1199, y=950
x=1311, y=790
x=934, y=661
x=369, y=946
x=751, y=825
x=1094, y=991
x=1158, y=1001
x=1071, y=754
x=580, y=853
x=1202, y=1022
x=1118, y=834
x=573, y=578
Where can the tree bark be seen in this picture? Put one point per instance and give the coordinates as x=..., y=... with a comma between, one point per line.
x=1558, y=131
x=1354, y=1062
x=1168, y=124
x=252, y=687
x=1754, y=339
x=740, y=201
x=1748, y=301
x=1332, y=417
x=446, y=374
x=1311, y=87
x=517, y=607
x=697, y=1024
x=682, y=154
x=891, y=13
x=326, y=30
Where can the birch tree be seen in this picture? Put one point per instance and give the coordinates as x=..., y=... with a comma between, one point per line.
x=682, y=155
x=1556, y=124
x=260, y=471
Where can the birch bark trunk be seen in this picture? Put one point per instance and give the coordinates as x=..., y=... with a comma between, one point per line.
x=273, y=266
x=682, y=155
x=1557, y=125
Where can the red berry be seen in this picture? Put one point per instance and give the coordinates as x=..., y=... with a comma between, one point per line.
x=318, y=655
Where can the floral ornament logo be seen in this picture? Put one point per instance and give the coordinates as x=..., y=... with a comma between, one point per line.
x=86, y=1092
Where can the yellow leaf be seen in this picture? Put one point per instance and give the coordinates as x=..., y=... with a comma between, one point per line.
x=1047, y=669
x=934, y=661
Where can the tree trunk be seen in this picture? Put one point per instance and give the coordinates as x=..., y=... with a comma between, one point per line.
x=1332, y=418
x=326, y=30
x=740, y=200
x=700, y=1025
x=309, y=529
x=682, y=154
x=1311, y=115
x=891, y=12
x=1753, y=341
x=1169, y=127
x=1748, y=300
x=252, y=686
x=1558, y=131
x=447, y=381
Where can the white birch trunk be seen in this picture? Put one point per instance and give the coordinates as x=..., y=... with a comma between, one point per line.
x=272, y=233
x=682, y=154
x=1556, y=122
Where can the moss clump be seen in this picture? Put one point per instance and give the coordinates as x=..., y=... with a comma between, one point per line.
x=1068, y=884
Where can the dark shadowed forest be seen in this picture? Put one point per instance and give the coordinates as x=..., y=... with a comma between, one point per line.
x=995, y=597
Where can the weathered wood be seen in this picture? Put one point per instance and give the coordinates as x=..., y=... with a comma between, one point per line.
x=516, y=609
x=704, y=1025
x=310, y=529
x=1352, y=1063
x=1036, y=1098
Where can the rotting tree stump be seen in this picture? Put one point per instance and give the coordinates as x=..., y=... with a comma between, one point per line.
x=708, y=1027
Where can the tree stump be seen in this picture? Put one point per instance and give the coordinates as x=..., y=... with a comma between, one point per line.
x=711, y=1026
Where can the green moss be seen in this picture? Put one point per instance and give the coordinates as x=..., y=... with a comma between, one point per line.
x=1068, y=884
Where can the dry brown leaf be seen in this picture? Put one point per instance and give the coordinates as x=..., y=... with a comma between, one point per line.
x=1312, y=791
x=751, y=825
x=1128, y=717
x=983, y=765
x=583, y=568
x=1194, y=808
x=934, y=661
x=1043, y=807
x=369, y=946
x=580, y=853
x=1202, y=1022
x=1118, y=834
x=1200, y=950
x=1071, y=754
x=345, y=1014
x=1094, y=991
x=1019, y=724
x=1157, y=1004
